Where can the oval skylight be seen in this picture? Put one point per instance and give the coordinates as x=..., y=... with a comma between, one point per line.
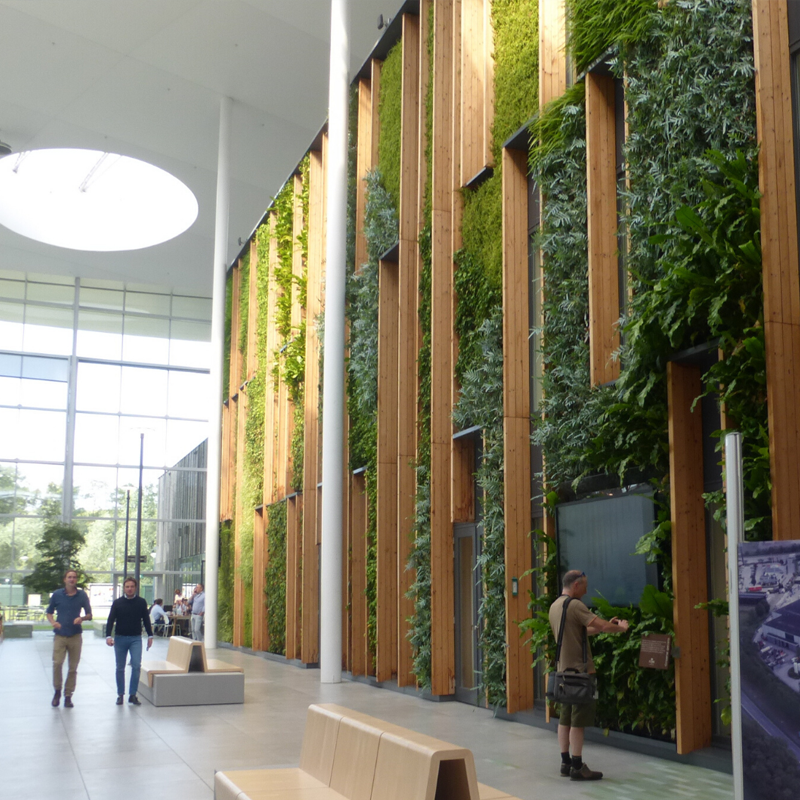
x=90, y=200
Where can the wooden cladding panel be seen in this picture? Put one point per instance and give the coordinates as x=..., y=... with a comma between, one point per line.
x=689, y=571
x=260, y=631
x=294, y=539
x=367, y=153
x=552, y=50
x=442, y=599
x=238, y=580
x=311, y=465
x=477, y=105
x=270, y=392
x=236, y=461
x=406, y=337
x=779, y=257
x=601, y=189
x=516, y=424
x=387, y=471
x=358, y=526
x=464, y=479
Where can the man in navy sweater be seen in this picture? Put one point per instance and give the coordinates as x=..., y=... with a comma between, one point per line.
x=64, y=614
x=129, y=612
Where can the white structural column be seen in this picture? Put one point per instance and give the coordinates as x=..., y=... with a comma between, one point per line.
x=333, y=389
x=217, y=361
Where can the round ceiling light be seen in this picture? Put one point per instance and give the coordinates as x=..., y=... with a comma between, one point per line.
x=90, y=200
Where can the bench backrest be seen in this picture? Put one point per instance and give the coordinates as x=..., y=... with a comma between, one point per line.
x=319, y=743
x=180, y=650
x=355, y=758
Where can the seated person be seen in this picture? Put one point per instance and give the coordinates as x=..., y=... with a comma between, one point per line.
x=158, y=616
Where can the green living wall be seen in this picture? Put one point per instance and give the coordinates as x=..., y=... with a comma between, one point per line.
x=693, y=258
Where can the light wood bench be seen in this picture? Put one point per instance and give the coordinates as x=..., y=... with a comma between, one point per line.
x=347, y=755
x=188, y=677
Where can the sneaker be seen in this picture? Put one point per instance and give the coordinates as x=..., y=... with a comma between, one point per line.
x=56, y=699
x=68, y=702
x=119, y=699
x=133, y=699
x=565, y=770
x=584, y=774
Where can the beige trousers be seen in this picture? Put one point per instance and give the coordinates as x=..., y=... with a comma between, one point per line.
x=64, y=646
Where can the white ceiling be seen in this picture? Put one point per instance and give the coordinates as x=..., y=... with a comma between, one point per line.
x=144, y=78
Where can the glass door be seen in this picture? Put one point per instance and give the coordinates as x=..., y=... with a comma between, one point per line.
x=467, y=590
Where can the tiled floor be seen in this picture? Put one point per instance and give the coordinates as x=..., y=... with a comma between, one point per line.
x=99, y=751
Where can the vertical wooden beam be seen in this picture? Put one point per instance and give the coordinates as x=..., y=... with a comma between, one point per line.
x=601, y=190
x=294, y=518
x=779, y=257
x=516, y=425
x=311, y=459
x=270, y=389
x=358, y=522
x=477, y=104
x=238, y=457
x=442, y=599
x=388, y=313
x=260, y=630
x=552, y=50
x=689, y=573
x=406, y=336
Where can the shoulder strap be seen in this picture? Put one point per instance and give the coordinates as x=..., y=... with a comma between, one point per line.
x=561, y=636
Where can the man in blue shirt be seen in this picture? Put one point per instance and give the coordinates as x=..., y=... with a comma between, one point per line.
x=64, y=614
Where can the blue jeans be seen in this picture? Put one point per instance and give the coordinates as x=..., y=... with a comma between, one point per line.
x=122, y=646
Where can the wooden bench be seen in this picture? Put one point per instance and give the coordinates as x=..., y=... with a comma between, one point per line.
x=189, y=678
x=347, y=755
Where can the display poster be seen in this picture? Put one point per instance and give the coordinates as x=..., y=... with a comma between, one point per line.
x=769, y=641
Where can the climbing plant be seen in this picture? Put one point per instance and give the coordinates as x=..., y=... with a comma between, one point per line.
x=275, y=578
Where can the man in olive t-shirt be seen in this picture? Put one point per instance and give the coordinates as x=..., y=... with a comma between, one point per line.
x=575, y=718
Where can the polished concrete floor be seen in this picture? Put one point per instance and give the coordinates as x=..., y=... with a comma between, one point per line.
x=100, y=751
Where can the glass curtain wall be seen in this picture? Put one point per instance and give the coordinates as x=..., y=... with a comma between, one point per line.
x=86, y=368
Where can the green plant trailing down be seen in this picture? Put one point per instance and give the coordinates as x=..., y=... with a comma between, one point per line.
x=275, y=577
x=389, y=108
x=226, y=572
x=380, y=232
x=226, y=367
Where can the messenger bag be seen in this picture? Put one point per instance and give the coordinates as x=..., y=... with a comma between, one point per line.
x=571, y=686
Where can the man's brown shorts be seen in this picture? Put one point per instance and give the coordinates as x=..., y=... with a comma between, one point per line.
x=578, y=716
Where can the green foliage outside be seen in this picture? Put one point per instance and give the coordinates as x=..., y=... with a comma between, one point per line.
x=694, y=272
x=227, y=568
x=275, y=578
x=58, y=551
x=389, y=113
x=380, y=232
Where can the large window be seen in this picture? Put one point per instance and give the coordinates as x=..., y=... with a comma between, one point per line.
x=87, y=368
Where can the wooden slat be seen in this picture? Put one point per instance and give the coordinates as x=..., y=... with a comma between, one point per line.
x=689, y=573
x=516, y=424
x=260, y=631
x=552, y=51
x=388, y=313
x=406, y=337
x=779, y=257
x=463, y=489
x=358, y=523
x=488, y=83
x=237, y=460
x=473, y=111
x=294, y=531
x=311, y=400
x=270, y=390
x=442, y=598
x=601, y=189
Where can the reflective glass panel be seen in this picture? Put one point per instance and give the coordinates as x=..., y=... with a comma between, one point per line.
x=96, y=438
x=50, y=293
x=190, y=344
x=129, y=479
x=188, y=394
x=182, y=438
x=14, y=289
x=155, y=435
x=48, y=330
x=11, y=316
x=98, y=387
x=146, y=303
x=45, y=369
x=192, y=307
x=40, y=485
x=11, y=438
x=95, y=491
x=99, y=335
x=144, y=391
x=43, y=394
x=105, y=299
x=146, y=339
x=42, y=435
x=10, y=391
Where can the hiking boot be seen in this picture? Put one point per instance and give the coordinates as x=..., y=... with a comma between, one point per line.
x=134, y=700
x=56, y=698
x=584, y=774
x=565, y=770
x=119, y=699
x=68, y=702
